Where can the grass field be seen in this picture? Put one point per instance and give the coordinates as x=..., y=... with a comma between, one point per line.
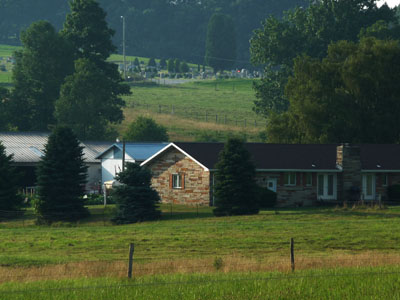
x=7, y=50
x=227, y=103
x=189, y=254
x=360, y=283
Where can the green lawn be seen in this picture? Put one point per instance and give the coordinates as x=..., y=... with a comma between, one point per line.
x=7, y=50
x=188, y=234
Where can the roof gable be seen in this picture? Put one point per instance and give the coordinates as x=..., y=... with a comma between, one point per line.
x=136, y=151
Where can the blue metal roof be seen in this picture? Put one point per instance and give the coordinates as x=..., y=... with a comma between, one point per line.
x=138, y=151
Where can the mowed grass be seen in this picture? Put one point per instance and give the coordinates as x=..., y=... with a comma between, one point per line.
x=341, y=283
x=7, y=50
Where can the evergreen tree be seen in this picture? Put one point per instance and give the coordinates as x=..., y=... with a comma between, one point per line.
x=152, y=63
x=61, y=179
x=9, y=198
x=146, y=130
x=235, y=187
x=41, y=66
x=163, y=64
x=5, y=117
x=136, y=200
x=171, y=65
x=184, y=67
x=89, y=102
x=220, y=42
x=177, y=65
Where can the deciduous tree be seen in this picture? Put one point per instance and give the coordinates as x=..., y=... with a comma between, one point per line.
x=220, y=42
x=145, y=129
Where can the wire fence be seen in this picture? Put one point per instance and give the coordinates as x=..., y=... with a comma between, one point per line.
x=203, y=115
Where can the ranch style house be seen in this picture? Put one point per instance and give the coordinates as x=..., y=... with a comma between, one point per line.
x=183, y=173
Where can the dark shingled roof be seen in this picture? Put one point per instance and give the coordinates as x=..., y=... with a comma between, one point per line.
x=271, y=156
x=387, y=156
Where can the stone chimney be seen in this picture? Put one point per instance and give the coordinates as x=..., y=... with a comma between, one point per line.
x=349, y=182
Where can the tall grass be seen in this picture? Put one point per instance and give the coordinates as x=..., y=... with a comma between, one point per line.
x=352, y=283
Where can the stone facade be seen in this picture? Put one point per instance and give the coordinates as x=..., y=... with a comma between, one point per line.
x=196, y=181
x=291, y=195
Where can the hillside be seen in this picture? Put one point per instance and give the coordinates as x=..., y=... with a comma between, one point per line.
x=155, y=28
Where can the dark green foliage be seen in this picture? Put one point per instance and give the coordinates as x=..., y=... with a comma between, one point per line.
x=86, y=29
x=163, y=63
x=145, y=129
x=152, y=63
x=220, y=43
x=352, y=96
x=309, y=31
x=41, y=66
x=9, y=198
x=235, y=187
x=5, y=113
x=136, y=200
x=184, y=68
x=90, y=101
x=171, y=65
x=266, y=198
x=393, y=193
x=177, y=65
x=61, y=179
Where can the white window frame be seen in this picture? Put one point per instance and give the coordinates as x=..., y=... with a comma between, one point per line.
x=290, y=176
x=325, y=187
x=177, y=181
x=364, y=186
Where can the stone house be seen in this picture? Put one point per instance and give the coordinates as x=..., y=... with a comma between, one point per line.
x=183, y=173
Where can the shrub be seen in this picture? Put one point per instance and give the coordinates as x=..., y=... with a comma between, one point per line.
x=266, y=197
x=393, y=193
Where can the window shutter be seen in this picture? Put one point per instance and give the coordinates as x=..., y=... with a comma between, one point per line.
x=170, y=181
x=183, y=181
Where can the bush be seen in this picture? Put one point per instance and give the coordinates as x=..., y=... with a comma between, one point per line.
x=393, y=193
x=98, y=199
x=266, y=197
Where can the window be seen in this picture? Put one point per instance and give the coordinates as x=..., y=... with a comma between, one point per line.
x=326, y=187
x=290, y=178
x=309, y=179
x=177, y=180
x=385, y=180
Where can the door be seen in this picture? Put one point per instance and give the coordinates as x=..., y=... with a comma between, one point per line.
x=271, y=184
x=326, y=188
x=368, y=186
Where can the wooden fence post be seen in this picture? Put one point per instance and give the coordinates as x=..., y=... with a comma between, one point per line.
x=292, y=254
x=206, y=116
x=216, y=118
x=131, y=249
x=159, y=109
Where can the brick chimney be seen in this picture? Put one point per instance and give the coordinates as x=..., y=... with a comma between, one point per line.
x=349, y=159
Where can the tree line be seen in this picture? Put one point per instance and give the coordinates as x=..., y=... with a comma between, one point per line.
x=155, y=28
x=64, y=78
x=331, y=73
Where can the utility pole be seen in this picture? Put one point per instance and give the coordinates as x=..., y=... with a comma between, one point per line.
x=123, y=44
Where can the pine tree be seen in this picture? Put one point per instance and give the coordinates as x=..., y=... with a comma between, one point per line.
x=235, y=187
x=163, y=64
x=177, y=65
x=136, y=200
x=171, y=65
x=9, y=198
x=61, y=179
x=152, y=62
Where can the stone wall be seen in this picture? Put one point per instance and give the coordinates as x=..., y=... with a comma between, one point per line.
x=297, y=195
x=348, y=157
x=196, y=186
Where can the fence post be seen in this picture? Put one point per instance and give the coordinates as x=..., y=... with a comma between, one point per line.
x=206, y=116
x=216, y=118
x=245, y=122
x=225, y=120
x=173, y=109
x=159, y=108
x=292, y=254
x=131, y=249
x=380, y=201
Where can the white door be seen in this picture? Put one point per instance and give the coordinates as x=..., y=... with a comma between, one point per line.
x=271, y=184
x=326, y=188
x=368, y=186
